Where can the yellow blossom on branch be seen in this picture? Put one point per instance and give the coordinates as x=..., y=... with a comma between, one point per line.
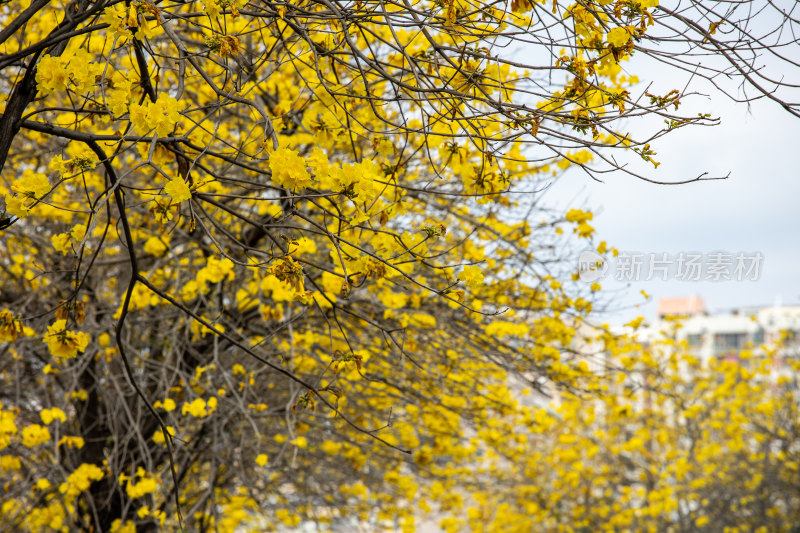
x=178, y=190
x=81, y=479
x=196, y=408
x=48, y=415
x=63, y=343
x=618, y=37
x=71, y=442
x=146, y=485
x=34, y=435
x=10, y=326
x=471, y=276
x=289, y=169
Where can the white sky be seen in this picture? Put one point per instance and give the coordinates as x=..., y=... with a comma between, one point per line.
x=757, y=209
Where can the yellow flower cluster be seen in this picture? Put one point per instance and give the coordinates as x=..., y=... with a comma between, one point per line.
x=124, y=18
x=199, y=408
x=48, y=415
x=156, y=246
x=71, y=442
x=10, y=327
x=9, y=463
x=63, y=343
x=216, y=270
x=471, y=276
x=158, y=435
x=178, y=189
x=618, y=36
x=29, y=188
x=51, y=517
x=81, y=479
x=65, y=242
x=8, y=427
x=581, y=220
x=34, y=435
x=289, y=169
x=145, y=485
x=75, y=71
x=161, y=116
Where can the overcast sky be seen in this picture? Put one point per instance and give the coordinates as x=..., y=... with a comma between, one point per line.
x=757, y=209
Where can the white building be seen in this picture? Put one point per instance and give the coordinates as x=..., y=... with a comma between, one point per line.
x=724, y=335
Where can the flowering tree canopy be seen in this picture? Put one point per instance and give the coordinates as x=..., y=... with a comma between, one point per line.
x=266, y=263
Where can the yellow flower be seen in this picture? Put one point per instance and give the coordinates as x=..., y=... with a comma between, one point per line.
x=196, y=408
x=79, y=394
x=281, y=291
x=9, y=463
x=189, y=291
x=34, y=435
x=138, y=118
x=302, y=246
x=471, y=276
x=51, y=74
x=78, y=232
x=16, y=207
x=155, y=246
x=10, y=327
x=115, y=17
x=32, y=185
x=384, y=146
x=578, y=216
x=178, y=190
x=56, y=73
x=62, y=243
x=163, y=114
x=393, y=300
x=80, y=480
x=289, y=169
x=287, y=517
x=618, y=37
x=145, y=486
x=261, y=459
x=63, y=343
x=158, y=435
x=330, y=447
x=118, y=526
x=117, y=101
x=216, y=270
x=104, y=340
x=58, y=164
x=71, y=442
x=584, y=230
x=48, y=415
x=7, y=424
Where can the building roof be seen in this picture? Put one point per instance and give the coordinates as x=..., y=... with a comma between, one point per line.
x=691, y=305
